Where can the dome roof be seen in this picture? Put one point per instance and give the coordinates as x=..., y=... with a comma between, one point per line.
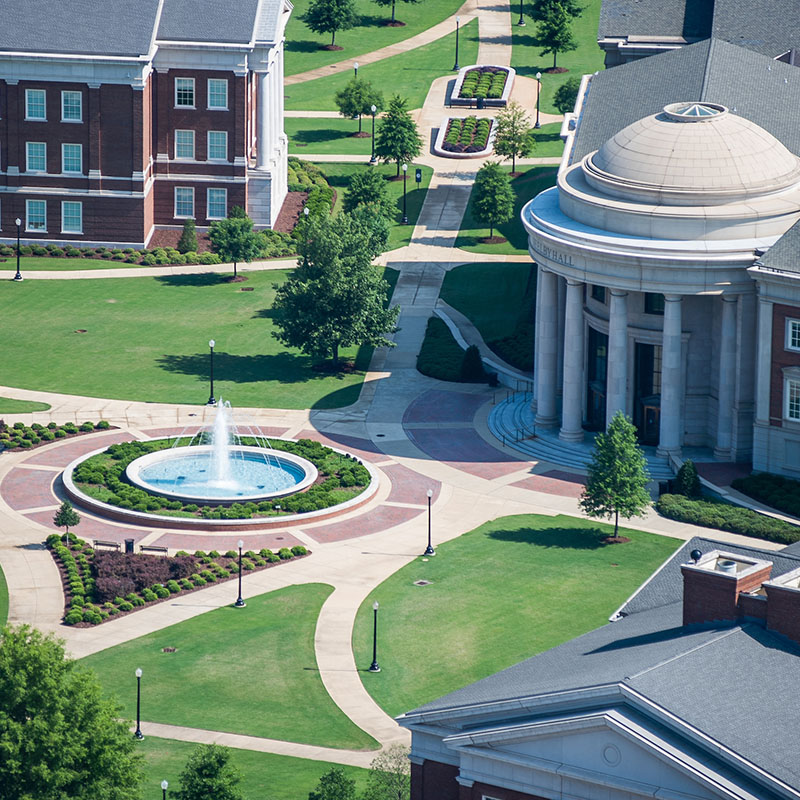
x=692, y=154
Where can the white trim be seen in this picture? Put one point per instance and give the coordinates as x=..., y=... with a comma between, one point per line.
x=175, y=92
x=28, y=228
x=80, y=97
x=175, y=214
x=788, y=381
x=60, y=191
x=209, y=107
x=201, y=178
x=36, y=119
x=75, y=202
x=208, y=203
x=175, y=144
x=788, y=340
x=28, y=159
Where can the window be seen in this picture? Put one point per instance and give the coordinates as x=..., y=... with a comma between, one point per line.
x=71, y=217
x=792, y=402
x=218, y=93
x=654, y=304
x=793, y=334
x=36, y=104
x=36, y=215
x=217, y=145
x=184, y=202
x=184, y=144
x=217, y=204
x=599, y=293
x=184, y=92
x=36, y=153
x=71, y=158
x=71, y=107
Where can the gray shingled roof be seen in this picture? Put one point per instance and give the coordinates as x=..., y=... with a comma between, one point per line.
x=110, y=27
x=785, y=256
x=766, y=26
x=690, y=19
x=751, y=85
x=209, y=20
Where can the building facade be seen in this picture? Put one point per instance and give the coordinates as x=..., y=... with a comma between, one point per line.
x=162, y=112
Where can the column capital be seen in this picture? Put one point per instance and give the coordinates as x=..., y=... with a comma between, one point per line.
x=673, y=298
x=730, y=298
x=575, y=282
x=618, y=293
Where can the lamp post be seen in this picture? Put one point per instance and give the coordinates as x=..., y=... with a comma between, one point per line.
x=373, y=667
x=211, y=400
x=538, y=93
x=355, y=68
x=164, y=785
x=404, y=221
x=455, y=65
x=429, y=551
x=18, y=277
x=521, y=22
x=138, y=734
x=373, y=109
x=239, y=602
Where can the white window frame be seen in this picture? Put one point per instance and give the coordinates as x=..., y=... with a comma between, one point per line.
x=28, y=216
x=208, y=203
x=175, y=199
x=792, y=324
x=194, y=94
x=79, y=95
x=64, y=170
x=208, y=94
x=28, y=167
x=192, y=136
x=28, y=95
x=64, y=204
x=208, y=146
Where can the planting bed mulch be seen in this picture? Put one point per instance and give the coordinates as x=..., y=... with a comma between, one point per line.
x=290, y=211
x=100, y=585
x=493, y=239
x=468, y=135
x=170, y=239
x=484, y=82
x=28, y=437
x=556, y=70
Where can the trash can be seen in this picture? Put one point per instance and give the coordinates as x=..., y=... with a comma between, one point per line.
x=481, y=103
x=129, y=545
x=494, y=379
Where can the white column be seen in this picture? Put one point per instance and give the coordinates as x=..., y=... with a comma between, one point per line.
x=546, y=350
x=617, y=362
x=671, y=378
x=727, y=375
x=572, y=397
x=537, y=321
x=763, y=360
x=263, y=143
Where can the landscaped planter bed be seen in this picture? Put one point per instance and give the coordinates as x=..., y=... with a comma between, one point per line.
x=465, y=137
x=486, y=83
x=28, y=437
x=101, y=585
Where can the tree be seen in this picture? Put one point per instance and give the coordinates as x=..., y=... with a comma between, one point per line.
x=617, y=479
x=368, y=187
x=391, y=3
x=208, y=774
x=329, y=16
x=334, y=785
x=188, y=240
x=375, y=225
x=514, y=136
x=357, y=98
x=335, y=298
x=389, y=775
x=492, y=196
x=687, y=481
x=59, y=738
x=541, y=8
x=472, y=370
x=397, y=138
x=64, y=517
x=237, y=212
x=567, y=94
x=554, y=32
x=234, y=239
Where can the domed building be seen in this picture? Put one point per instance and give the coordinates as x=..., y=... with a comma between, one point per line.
x=647, y=297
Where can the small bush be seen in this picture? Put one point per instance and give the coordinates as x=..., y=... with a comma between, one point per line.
x=687, y=481
x=173, y=587
x=232, y=554
x=299, y=550
x=125, y=606
x=186, y=584
x=161, y=592
x=284, y=553
x=74, y=617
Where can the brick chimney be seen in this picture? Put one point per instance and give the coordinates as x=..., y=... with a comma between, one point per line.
x=783, y=604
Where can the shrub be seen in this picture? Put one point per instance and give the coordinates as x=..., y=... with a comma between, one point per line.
x=472, y=366
x=161, y=591
x=86, y=427
x=186, y=584
x=687, y=481
x=125, y=606
x=299, y=550
x=777, y=491
x=149, y=595
x=77, y=601
x=214, y=553
x=173, y=587
x=197, y=580
x=200, y=553
x=102, y=425
x=233, y=554
x=188, y=240
x=284, y=553
x=74, y=617
x=92, y=616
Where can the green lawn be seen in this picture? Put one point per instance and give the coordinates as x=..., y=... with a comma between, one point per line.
x=264, y=775
x=146, y=339
x=3, y=599
x=548, y=141
x=10, y=406
x=532, y=181
x=304, y=47
x=399, y=235
x=527, y=60
x=308, y=136
x=501, y=593
x=38, y=263
x=250, y=671
x=409, y=74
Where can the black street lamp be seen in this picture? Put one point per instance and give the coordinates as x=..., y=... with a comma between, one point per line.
x=239, y=602
x=373, y=160
x=429, y=551
x=404, y=221
x=164, y=785
x=455, y=65
x=355, y=68
x=138, y=734
x=373, y=667
x=538, y=93
x=211, y=400
x=521, y=22
x=18, y=276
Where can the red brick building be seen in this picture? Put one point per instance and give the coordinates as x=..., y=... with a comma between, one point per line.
x=158, y=111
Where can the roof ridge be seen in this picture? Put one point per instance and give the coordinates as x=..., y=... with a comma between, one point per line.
x=707, y=68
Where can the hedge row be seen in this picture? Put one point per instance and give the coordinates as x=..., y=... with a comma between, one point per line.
x=484, y=82
x=23, y=436
x=775, y=490
x=468, y=135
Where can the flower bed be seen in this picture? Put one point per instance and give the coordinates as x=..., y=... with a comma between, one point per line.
x=777, y=491
x=100, y=585
x=467, y=137
x=26, y=437
x=483, y=82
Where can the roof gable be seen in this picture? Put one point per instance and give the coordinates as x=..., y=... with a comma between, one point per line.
x=689, y=19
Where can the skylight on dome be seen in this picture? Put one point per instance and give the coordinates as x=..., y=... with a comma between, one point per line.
x=697, y=110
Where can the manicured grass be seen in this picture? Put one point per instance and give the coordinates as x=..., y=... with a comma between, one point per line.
x=309, y=136
x=250, y=671
x=264, y=775
x=440, y=355
x=526, y=186
x=548, y=141
x=509, y=589
x=304, y=47
x=527, y=60
x=146, y=339
x=10, y=406
x=43, y=263
x=399, y=235
x=3, y=599
x=409, y=74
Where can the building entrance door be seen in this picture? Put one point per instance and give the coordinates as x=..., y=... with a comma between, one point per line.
x=596, y=374
x=647, y=392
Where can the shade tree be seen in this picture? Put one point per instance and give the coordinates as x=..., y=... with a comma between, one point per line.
x=492, y=196
x=357, y=98
x=397, y=138
x=331, y=16
x=514, y=135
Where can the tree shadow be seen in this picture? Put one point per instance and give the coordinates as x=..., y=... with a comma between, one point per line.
x=302, y=46
x=199, y=279
x=542, y=138
x=264, y=313
x=319, y=135
x=565, y=538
